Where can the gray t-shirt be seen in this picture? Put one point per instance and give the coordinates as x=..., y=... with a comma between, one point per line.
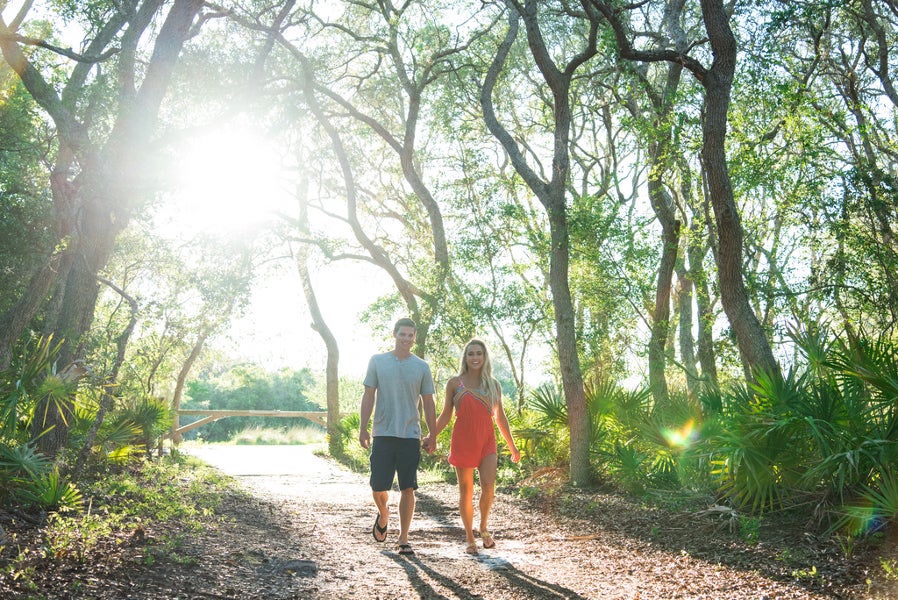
x=399, y=384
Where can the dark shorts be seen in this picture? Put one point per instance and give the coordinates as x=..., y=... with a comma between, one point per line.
x=391, y=457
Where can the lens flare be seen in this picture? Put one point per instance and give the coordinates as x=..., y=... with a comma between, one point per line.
x=683, y=437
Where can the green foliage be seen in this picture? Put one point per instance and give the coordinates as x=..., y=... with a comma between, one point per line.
x=48, y=491
x=18, y=463
x=125, y=503
x=750, y=529
x=23, y=382
x=299, y=435
x=155, y=487
x=23, y=459
x=349, y=428
x=25, y=200
x=541, y=429
x=352, y=452
x=549, y=404
x=642, y=444
x=875, y=506
x=250, y=388
x=27, y=476
x=828, y=434
x=149, y=418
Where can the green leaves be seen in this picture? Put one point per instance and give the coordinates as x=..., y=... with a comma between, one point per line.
x=826, y=434
x=20, y=461
x=31, y=374
x=549, y=403
x=49, y=491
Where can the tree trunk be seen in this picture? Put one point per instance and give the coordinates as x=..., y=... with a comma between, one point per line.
x=332, y=373
x=707, y=358
x=670, y=238
x=108, y=396
x=181, y=381
x=684, y=300
x=552, y=195
x=754, y=347
x=568, y=358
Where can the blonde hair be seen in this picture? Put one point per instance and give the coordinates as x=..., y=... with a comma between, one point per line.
x=487, y=382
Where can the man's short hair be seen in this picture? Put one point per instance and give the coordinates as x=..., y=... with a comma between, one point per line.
x=404, y=322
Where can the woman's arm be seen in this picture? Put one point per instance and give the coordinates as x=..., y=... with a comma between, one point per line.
x=448, y=407
x=505, y=428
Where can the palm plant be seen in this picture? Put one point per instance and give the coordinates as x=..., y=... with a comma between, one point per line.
x=348, y=428
x=549, y=404
x=643, y=443
x=118, y=437
x=25, y=474
x=151, y=418
x=542, y=428
x=48, y=491
x=16, y=462
x=825, y=435
x=20, y=385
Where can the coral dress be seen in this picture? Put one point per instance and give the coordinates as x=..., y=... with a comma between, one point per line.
x=473, y=435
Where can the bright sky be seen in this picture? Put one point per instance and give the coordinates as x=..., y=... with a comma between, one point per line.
x=276, y=332
x=232, y=180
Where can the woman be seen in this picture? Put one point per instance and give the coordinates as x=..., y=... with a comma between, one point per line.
x=476, y=398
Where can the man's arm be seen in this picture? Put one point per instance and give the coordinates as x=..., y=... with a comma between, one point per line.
x=430, y=417
x=365, y=416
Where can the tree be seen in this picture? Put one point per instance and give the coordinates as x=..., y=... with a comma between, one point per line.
x=97, y=181
x=378, y=102
x=717, y=81
x=552, y=194
x=319, y=325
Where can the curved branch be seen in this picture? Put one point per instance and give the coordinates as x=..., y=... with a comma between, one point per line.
x=67, y=52
x=489, y=113
x=627, y=50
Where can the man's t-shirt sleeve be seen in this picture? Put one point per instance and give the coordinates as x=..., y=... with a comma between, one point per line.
x=371, y=375
x=427, y=386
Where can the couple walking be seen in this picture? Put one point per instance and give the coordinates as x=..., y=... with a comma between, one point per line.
x=393, y=384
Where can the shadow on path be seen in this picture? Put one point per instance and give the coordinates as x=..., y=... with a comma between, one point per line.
x=523, y=585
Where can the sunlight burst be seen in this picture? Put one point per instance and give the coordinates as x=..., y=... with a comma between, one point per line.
x=229, y=181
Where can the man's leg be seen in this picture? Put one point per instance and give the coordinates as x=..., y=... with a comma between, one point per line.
x=407, y=460
x=382, y=471
x=406, y=510
x=381, y=499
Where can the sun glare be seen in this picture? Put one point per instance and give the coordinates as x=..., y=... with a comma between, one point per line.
x=227, y=182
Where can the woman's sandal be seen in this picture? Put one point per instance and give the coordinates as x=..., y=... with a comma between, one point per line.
x=471, y=548
x=488, y=541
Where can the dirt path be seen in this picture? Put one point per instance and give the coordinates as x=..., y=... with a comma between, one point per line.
x=304, y=532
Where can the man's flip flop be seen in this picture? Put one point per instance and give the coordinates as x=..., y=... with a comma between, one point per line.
x=377, y=529
x=405, y=549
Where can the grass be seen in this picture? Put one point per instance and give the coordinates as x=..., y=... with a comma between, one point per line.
x=119, y=505
x=294, y=436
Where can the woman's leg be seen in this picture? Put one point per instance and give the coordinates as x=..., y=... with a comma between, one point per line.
x=466, y=501
x=488, y=467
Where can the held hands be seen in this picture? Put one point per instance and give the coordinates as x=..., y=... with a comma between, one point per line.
x=429, y=443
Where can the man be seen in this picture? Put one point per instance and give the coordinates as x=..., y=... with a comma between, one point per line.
x=394, y=382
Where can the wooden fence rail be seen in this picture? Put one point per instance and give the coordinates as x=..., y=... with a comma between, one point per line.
x=319, y=417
